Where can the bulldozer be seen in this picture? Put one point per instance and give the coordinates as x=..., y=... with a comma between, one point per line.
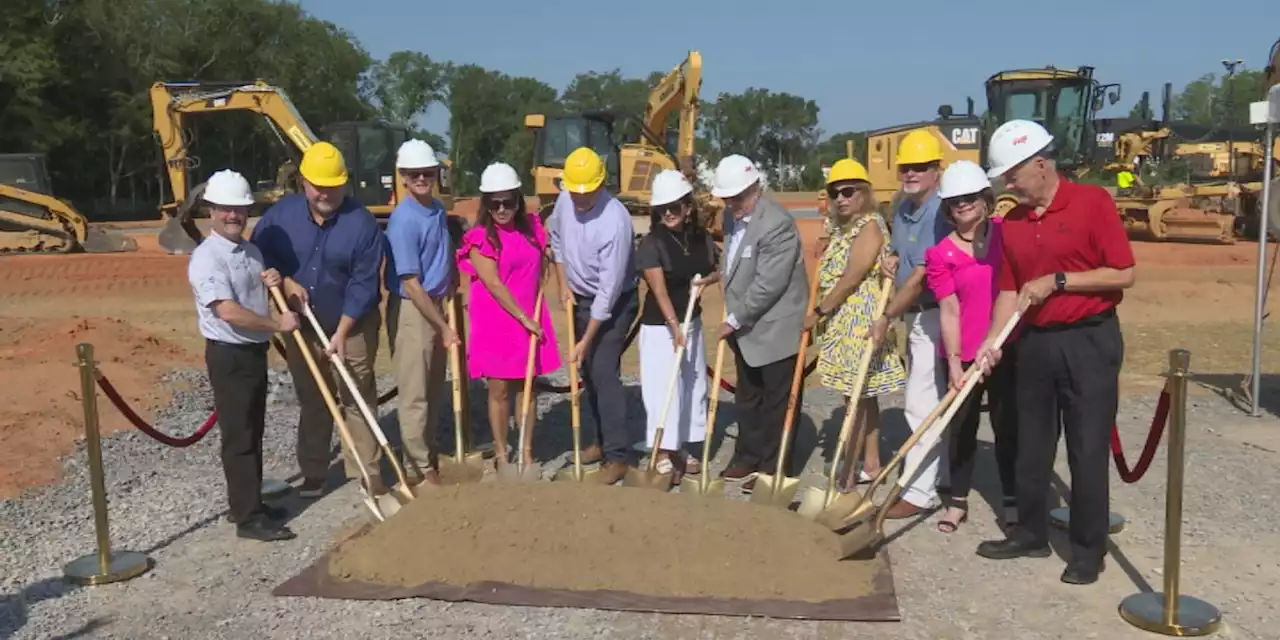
x=633, y=165
x=369, y=148
x=34, y=220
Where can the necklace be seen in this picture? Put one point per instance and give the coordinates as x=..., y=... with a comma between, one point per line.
x=684, y=246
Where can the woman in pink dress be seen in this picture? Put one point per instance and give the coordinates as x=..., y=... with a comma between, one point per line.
x=962, y=270
x=504, y=257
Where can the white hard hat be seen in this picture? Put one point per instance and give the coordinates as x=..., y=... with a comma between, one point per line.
x=1013, y=142
x=962, y=178
x=416, y=154
x=733, y=175
x=499, y=176
x=669, y=186
x=228, y=189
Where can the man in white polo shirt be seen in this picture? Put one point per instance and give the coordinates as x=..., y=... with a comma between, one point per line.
x=230, y=283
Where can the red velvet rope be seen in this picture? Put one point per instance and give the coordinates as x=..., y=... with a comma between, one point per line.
x=141, y=425
x=1132, y=475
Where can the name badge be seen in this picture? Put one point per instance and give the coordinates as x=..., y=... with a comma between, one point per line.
x=746, y=252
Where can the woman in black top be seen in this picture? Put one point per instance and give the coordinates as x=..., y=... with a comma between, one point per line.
x=676, y=249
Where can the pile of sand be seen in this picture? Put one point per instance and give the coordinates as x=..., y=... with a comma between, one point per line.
x=42, y=417
x=564, y=535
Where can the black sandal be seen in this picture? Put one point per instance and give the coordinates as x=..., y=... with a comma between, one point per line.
x=947, y=526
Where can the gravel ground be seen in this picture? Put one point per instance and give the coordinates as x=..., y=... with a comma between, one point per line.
x=168, y=503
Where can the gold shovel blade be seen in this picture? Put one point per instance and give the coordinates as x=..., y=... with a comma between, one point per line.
x=691, y=488
x=646, y=479
x=512, y=474
x=772, y=490
x=814, y=502
x=846, y=511
x=859, y=541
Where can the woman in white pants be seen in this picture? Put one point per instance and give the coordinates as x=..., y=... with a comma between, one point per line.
x=676, y=249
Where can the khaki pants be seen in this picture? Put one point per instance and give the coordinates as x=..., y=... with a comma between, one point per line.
x=419, y=358
x=315, y=424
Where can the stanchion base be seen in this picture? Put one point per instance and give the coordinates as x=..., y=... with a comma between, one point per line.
x=124, y=565
x=1195, y=617
x=274, y=488
x=1061, y=518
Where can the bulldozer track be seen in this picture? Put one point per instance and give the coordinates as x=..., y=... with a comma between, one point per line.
x=90, y=274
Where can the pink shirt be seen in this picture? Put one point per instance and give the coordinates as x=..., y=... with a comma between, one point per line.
x=951, y=271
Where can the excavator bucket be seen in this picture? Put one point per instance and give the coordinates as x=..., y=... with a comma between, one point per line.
x=178, y=237
x=103, y=241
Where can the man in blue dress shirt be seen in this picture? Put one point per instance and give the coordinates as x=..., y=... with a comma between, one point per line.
x=329, y=249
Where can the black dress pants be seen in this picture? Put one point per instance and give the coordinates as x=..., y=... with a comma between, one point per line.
x=1002, y=408
x=238, y=375
x=1069, y=373
x=602, y=372
x=761, y=406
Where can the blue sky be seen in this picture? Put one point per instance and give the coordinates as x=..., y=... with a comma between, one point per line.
x=867, y=64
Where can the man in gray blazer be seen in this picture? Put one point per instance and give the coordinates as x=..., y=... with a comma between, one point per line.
x=766, y=291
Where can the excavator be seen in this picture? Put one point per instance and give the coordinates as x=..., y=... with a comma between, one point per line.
x=34, y=220
x=369, y=148
x=632, y=166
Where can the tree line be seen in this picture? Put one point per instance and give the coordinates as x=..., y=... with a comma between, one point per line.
x=74, y=76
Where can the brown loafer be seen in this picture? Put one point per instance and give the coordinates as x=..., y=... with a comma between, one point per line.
x=592, y=454
x=902, y=509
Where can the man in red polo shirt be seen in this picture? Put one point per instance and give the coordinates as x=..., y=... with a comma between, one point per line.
x=1066, y=261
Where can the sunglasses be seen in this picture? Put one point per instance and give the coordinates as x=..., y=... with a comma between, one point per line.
x=672, y=209
x=842, y=192
x=502, y=203
x=968, y=198
x=419, y=174
x=917, y=168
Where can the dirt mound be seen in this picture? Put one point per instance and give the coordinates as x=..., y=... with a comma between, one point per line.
x=41, y=418
x=588, y=537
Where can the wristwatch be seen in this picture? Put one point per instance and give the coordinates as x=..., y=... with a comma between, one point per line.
x=1059, y=281
x=817, y=310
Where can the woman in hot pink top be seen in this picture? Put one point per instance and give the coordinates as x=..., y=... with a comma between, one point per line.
x=962, y=271
x=504, y=255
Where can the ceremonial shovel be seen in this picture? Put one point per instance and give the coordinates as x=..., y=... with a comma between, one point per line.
x=705, y=485
x=461, y=425
x=778, y=489
x=575, y=413
x=402, y=487
x=814, y=502
x=381, y=506
x=521, y=472
x=852, y=543
x=650, y=477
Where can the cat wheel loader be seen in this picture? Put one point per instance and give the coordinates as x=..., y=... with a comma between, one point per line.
x=33, y=220
x=368, y=147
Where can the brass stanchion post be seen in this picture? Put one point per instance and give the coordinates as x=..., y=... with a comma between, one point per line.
x=1171, y=613
x=105, y=566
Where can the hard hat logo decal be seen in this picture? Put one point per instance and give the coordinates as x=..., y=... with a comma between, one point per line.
x=1019, y=140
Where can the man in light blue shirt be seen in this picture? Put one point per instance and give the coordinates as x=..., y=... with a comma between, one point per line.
x=419, y=276
x=591, y=241
x=917, y=226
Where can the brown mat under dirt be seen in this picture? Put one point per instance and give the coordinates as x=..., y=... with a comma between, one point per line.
x=880, y=605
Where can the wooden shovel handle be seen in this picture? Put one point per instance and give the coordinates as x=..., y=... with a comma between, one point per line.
x=797, y=378
x=526, y=400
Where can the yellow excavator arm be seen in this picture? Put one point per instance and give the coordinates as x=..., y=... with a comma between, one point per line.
x=679, y=89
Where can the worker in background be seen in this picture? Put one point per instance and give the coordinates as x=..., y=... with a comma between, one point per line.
x=917, y=227
x=419, y=276
x=591, y=240
x=1124, y=181
x=329, y=249
x=766, y=291
x=1068, y=283
x=230, y=281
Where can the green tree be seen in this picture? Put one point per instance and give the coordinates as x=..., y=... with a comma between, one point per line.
x=404, y=87
x=486, y=120
x=1211, y=100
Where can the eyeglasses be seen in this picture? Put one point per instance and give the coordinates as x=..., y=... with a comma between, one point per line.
x=503, y=203
x=968, y=198
x=419, y=174
x=842, y=192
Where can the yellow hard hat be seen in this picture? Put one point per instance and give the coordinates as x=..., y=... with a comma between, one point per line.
x=323, y=166
x=847, y=169
x=919, y=147
x=583, y=171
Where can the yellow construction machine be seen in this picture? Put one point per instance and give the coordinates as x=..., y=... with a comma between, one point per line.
x=369, y=148
x=632, y=166
x=34, y=220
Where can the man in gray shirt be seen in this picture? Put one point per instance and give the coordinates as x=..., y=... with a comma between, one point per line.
x=591, y=240
x=917, y=226
x=229, y=281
